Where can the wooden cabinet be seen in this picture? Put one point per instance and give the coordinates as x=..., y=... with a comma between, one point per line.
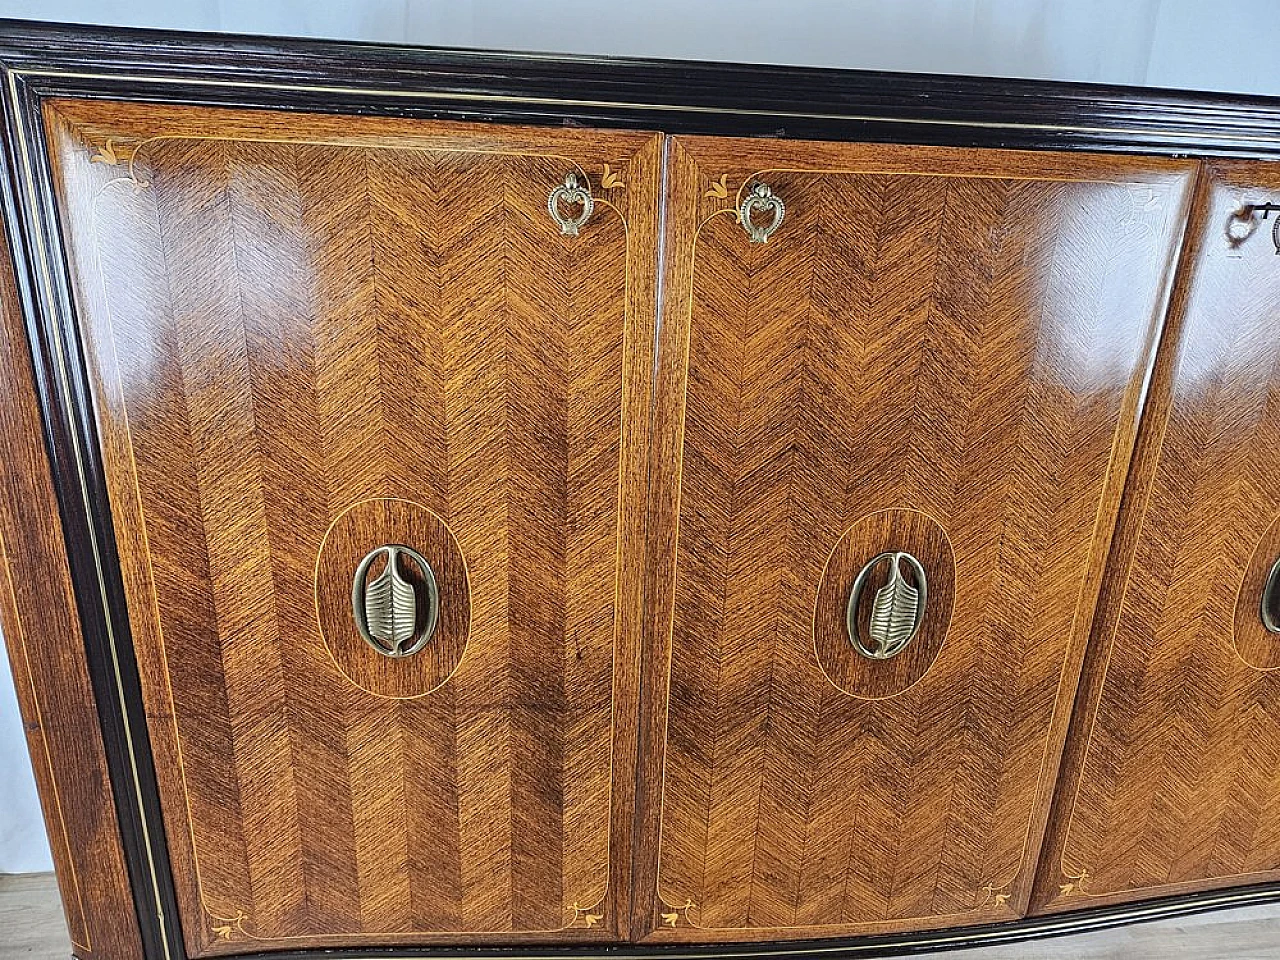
x=473, y=501
x=1171, y=783
x=937, y=352
x=308, y=339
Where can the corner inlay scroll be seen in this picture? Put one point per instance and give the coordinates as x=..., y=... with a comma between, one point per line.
x=589, y=916
x=673, y=918
x=611, y=180
x=113, y=151
x=994, y=895
x=225, y=927
x=1075, y=883
x=117, y=152
x=719, y=188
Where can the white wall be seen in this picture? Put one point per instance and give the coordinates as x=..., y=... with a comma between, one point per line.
x=1179, y=43
x=1172, y=43
x=23, y=847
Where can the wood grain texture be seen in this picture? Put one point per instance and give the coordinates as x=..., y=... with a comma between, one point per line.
x=873, y=534
x=962, y=333
x=357, y=532
x=286, y=316
x=1172, y=780
x=41, y=628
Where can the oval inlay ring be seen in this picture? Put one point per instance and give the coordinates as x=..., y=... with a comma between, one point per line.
x=875, y=673
x=440, y=627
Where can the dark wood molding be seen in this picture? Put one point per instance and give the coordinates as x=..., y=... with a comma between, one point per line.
x=890, y=945
x=671, y=95
x=40, y=61
x=71, y=443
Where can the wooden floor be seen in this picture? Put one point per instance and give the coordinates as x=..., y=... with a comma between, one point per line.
x=32, y=928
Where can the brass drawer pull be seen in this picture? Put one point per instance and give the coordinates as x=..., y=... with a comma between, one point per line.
x=571, y=192
x=1243, y=222
x=896, y=611
x=761, y=198
x=1269, y=608
x=387, y=609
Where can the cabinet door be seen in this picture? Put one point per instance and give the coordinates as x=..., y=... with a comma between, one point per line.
x=1172, y=778
x=938, y=353
x=312, y=337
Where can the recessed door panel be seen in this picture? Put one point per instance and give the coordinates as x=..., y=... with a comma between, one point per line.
x=1172, y=778
x=911, y=377
x=373, y=433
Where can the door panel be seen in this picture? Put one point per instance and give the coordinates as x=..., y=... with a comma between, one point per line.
x=1172, y=778
x=309, y=337
x=941, y=352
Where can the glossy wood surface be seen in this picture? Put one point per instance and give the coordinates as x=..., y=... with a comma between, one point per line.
x=284, y=317
x=1172, y=777
x=38, y=616
x=965, y=335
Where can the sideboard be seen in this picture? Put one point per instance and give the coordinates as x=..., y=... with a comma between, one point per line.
x=469, y=504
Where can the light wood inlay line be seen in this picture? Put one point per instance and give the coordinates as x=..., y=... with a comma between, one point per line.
x=960, y=334
x=408, y=325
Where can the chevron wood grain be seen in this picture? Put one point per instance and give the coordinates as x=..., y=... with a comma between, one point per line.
x=286, y=318
x=963, y=334
x=1170, y=782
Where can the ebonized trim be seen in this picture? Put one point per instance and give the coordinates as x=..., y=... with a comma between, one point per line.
x=670, y=95
x=70, y=436
x=39, y=61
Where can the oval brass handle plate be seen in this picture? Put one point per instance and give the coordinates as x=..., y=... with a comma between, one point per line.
x=1269, y=608
x=394, y=615
x=897, y=610
x=572, y=193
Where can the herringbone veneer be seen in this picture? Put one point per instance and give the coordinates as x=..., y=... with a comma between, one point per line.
x=956, y=334
x=1172, y=779
x=289, y=319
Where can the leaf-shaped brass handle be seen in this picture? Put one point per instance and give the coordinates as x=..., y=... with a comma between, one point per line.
x=1270, y=606
x=394, y=615
x=897, y=609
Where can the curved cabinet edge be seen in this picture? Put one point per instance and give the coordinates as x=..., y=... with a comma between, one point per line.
x=1065, y=883
x=41, y=628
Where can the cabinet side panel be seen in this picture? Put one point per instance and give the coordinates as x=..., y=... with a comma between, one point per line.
x=47, y=654
x=1171, y=783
